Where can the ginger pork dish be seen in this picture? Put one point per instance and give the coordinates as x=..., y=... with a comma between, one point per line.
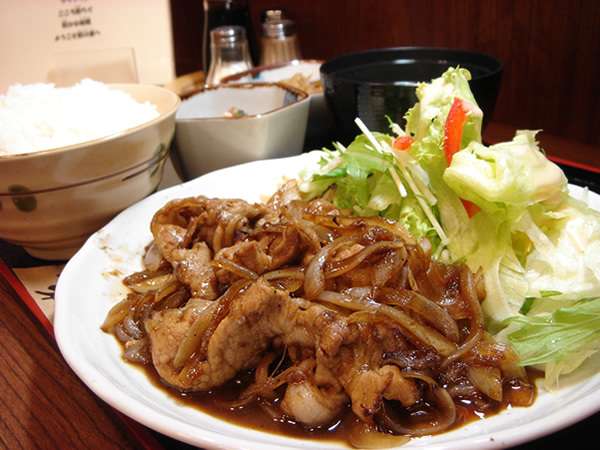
x=329, y=312
x=409, y=284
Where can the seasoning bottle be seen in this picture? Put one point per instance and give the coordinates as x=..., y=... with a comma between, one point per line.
x=272, y=15
x=279, y=42
x=218, y=13
x=230, y=54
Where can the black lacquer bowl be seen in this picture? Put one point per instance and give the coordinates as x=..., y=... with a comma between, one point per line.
x=375, y=83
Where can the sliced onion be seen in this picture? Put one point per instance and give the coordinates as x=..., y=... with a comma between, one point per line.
x=390, y=267
x=462, y=390
x=137, y=352
x=174, y=300
x=309, y=235
x=194, y=336
x=120, y=333
x=152, y=258
x=426, y=335
x=314, y=280
x=230, y=230
x=264, y=386
x=221, y=311
x=362, y=316
x=412, y=359
x=344, y=221
x=520, y=393
x=487, y=380
x=135, y=278
x=361, y=293
x=233, y=267
x=131, y=327
x=117, y=313
x=418, y=375
x=444, y=404
x=412, y=300
x=189, y=233
x=296, y=273
x=365, y=436
x=427, y=309
x=479, y=284
x=165, y=290
x=323, y=233
x=467, y=288
x=261, y=374
x=466, y=347
x=217, y=240
x=152, y=284
x=339, y=268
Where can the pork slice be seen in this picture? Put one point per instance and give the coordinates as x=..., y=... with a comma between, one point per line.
x=168, y=238
x=193, y=268
x=256, y=317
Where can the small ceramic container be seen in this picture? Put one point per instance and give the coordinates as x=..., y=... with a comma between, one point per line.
x=268, y=121
x=320, y=121
x=51, y=201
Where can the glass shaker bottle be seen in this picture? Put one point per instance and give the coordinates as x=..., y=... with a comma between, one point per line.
x=218, y=13
x=279, y=42
x=230, y=54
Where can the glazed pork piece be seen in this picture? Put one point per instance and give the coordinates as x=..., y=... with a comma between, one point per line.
x=329, y=311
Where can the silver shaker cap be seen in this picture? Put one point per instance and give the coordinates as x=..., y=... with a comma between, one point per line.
x=279, y=29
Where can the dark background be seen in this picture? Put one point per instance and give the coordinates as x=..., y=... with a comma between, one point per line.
x=550, y=48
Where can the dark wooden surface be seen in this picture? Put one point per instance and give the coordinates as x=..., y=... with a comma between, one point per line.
x=550, y=48
x=43, y=405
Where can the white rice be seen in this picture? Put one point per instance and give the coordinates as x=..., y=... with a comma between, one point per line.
x=38, y=117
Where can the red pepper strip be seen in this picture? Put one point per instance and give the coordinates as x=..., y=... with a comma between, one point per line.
x=453, y=130
x=470, y=207
x=403, y=142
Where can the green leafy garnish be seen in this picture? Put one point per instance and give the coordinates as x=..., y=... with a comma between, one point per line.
x=527, y=304
x=545, y=294
x=561, y=340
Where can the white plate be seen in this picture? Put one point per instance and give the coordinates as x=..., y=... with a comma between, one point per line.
x=90, y=285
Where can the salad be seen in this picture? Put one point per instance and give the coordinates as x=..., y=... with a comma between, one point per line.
x=504, y=210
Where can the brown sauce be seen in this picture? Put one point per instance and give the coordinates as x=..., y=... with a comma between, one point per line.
x=218, y=402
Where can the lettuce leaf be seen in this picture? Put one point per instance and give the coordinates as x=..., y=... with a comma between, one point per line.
x=560, y=340
x=509, y=175
x=361, y=177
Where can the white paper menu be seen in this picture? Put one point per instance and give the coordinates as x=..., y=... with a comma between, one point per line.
x=37, y=37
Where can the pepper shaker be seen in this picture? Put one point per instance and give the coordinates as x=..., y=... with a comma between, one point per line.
x=279, y=42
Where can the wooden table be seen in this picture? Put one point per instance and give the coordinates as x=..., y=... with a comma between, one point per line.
x=44, y=405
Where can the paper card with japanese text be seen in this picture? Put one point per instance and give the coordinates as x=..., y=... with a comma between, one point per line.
x=62, y=41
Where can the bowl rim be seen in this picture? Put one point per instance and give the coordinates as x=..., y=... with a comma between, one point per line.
x=265, y=68
x=301, y=97
x=327, y=70
x=131, y=172
x=110, y=137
